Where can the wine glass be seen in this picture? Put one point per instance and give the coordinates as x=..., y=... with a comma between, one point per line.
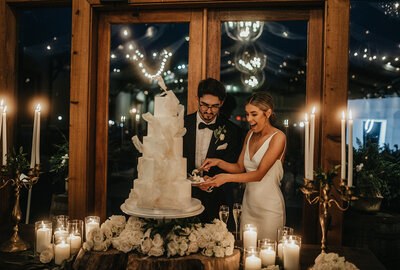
x=224, y=213
x=237, y=212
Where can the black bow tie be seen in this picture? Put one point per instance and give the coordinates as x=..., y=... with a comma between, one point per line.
x=210, y=126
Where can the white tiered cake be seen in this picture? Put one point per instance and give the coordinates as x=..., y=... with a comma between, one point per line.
x=162, y=184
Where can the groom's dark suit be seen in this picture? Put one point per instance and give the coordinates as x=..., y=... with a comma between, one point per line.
x=228, y=150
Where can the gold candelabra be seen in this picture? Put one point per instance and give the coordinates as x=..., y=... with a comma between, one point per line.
x=18, y=180
x=325, y=200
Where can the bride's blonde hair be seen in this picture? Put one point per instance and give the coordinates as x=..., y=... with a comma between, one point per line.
x=264, y=102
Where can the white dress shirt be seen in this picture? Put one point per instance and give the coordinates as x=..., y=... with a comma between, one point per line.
x=203, y=138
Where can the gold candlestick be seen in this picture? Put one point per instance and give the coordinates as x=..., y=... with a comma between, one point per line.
x=11, y=173
x=325, y=201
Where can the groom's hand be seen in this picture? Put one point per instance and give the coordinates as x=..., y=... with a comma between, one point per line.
x=208, y=163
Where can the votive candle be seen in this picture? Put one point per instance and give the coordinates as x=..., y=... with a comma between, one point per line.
x=249, y=235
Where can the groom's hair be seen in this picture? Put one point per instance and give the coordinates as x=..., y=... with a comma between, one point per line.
x=212, y=87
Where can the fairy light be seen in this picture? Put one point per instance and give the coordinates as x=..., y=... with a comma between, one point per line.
x=391, y=8
x=138, y=58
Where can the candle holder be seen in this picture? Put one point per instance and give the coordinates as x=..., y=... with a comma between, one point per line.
x=251, y=258
x=62, y=247
x=43, y=233
x=291, y=253
x=249, y=236
x=60, y=222
x=76, y=234
x=12, y=173
x=267, y=251
x=91, y=222
x=323, y=186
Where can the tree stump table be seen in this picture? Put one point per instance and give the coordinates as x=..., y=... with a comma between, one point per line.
x=114, y=259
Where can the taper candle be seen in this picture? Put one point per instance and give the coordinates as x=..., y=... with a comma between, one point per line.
x=312, y=136
x=343, y=146
x=38, y=136
x=4, y=136
x=306, y=147
x=350, y=157
x=34, y=133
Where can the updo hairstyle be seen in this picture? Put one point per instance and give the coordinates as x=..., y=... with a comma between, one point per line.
x=264, y=102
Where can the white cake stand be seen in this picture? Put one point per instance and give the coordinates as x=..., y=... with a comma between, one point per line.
x=194, y=209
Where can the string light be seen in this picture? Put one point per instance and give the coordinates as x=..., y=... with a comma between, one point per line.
x=391, y=8
x=139, y=58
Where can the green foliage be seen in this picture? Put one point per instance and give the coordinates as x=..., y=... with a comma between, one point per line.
x=16, y=162
x=166, y=226
x=323, y=178
x=376, y=171
x=59, y=161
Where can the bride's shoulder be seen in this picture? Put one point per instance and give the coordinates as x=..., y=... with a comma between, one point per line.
x=279, y=135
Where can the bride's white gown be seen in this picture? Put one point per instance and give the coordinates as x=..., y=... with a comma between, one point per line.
x=263, y=203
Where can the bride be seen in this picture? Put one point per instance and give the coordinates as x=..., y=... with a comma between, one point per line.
x=259, y=166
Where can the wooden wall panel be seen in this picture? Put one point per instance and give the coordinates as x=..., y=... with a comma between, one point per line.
x=8, y=43
x=335, y=82
x=81, y=185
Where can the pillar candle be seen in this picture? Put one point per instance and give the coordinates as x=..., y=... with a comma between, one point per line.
x=291, y=256
x=249, y=236
x=62, y=252
x=33, y=152
x=280, y=251
x=267, y=257
x=306, y=148
x=76, y=242
x=343, y=146
x=38, y=137
x=252, y=263
x=43, y=238
x=1, y=117
x=312, y=135
x=4, y=136
x=350, y=157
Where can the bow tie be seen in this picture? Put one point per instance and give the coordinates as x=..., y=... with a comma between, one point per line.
x=210, y=126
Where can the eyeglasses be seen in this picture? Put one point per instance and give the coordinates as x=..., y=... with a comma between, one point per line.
x=205, y=106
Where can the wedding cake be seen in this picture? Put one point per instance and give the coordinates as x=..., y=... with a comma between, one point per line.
x=162, y=181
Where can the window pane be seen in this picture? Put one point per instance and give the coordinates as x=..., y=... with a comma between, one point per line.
x=44, y=58
x=270, y=56
x=139, y=51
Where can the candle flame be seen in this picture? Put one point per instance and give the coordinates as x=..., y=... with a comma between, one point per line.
x=343, y=116
x=313, y=110
x=5, y=109
x=306, y=117
x=38, y=108
x=350, y=115
x=43, y=225
x=2, y=101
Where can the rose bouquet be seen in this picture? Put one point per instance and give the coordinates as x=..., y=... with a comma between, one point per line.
x=332, y=261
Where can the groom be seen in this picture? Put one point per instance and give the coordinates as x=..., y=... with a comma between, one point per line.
x=211, y=135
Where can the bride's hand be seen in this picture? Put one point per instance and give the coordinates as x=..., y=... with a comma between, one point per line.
x=208, y=163
x=215, y=181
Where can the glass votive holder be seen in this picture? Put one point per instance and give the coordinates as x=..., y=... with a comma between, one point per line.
x=284, y=231
x=291, y=253
x=75, y=234
x=43, y=233
x=60, y=223
x=62, y=247
x=251, y=258
x=91, y=222
x=267, y=251
x=249, y=236
x=281, y=242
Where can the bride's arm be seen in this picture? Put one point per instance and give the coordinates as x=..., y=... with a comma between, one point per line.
x=237, y=167
x=273, y=153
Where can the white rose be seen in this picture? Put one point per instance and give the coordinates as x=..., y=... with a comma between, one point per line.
x=146, y=245
x=219, y=251
x=218, y=236
x=207, y=252
x=147, y=233
x=47, y=255
x=106, y=230
x=135, y=237
x=156, y=251
x=134, y=223
x=96, y=235
x=192, y=237
x=99, y=246
x=157, y=240
x=202, y=242
x=229, y=251
x=122, y=244
x=193, y=247
x=183, y=246
x=118, y=221
x=172, y=248
x=88, y=245
x=222, y=137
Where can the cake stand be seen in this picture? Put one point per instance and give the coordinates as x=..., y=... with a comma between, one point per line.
x=195, y=208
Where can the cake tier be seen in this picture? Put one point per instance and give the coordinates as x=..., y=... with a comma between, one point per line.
x=166, y=105
x=172, y=195
x=159, y=170
x=171, y=124
x=154, y=147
